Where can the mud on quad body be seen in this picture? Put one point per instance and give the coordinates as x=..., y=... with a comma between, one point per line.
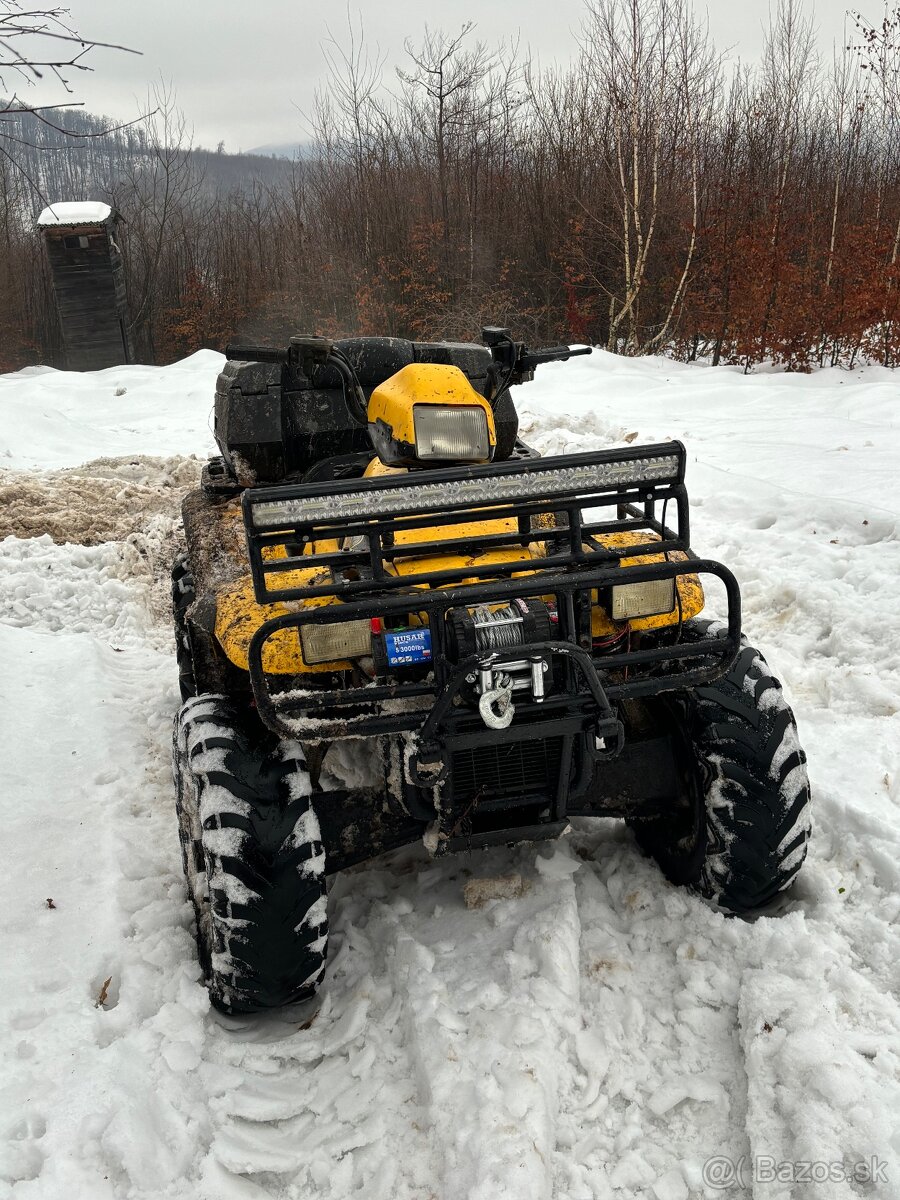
x=375, y=555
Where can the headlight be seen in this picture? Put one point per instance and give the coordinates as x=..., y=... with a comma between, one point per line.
x=633, y=600
x=330, y=643
x=456, y=433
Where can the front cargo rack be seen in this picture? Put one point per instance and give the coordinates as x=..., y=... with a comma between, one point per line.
x=378, y=521
x=372, y=544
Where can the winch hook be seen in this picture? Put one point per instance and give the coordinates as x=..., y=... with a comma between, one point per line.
x=499, y=717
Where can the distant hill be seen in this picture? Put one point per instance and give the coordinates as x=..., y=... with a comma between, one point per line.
x=291, y=150
x=91, y=164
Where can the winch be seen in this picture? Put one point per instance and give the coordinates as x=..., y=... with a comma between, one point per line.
x=483, y=631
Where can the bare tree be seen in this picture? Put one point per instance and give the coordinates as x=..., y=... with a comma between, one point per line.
x=879, y=55
x=650, y=66
x=441, y=95
x=33, y=44
x=347, y=116
x=157, y=197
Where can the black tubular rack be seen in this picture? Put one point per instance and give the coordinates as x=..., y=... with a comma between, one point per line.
x=557, y=510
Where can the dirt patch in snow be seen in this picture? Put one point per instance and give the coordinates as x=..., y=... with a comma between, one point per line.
x=106, y=500
x=135, y=501
x=478, y=892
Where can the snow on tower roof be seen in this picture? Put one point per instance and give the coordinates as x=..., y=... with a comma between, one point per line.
x=75, y=212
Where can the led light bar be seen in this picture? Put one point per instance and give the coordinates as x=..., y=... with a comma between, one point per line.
x=409, y=497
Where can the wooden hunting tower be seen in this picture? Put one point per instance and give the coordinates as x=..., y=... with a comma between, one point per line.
x=89, y=283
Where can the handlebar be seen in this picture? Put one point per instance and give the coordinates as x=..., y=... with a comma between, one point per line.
x=533, y=358
x=264, y=354
x=525, y=360
x=515, y=363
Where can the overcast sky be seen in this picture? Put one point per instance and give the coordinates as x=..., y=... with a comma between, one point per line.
x=241, y=70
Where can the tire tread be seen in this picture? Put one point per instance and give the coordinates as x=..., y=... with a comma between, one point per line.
x=737, y=728
x=261, y=954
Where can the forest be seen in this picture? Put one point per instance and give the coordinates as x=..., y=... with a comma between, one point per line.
x=654, y=196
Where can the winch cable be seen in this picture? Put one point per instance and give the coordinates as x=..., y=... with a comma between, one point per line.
x=497, y=629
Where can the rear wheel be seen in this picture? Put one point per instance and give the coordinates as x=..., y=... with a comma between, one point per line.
x=739, y=834
x=253, y=860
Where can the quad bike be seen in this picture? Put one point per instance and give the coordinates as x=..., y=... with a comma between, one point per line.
x=377, y=563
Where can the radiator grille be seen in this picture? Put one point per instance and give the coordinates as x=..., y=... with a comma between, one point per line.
x=511, y=771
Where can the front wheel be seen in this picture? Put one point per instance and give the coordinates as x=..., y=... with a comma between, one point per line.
x=253, y=859
x=183, y=596
x=739, y=834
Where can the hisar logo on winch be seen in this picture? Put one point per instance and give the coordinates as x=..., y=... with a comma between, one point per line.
x=410, y=646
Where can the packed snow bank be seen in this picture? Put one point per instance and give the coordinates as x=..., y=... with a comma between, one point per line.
x=52, y=419
x=589, y=1033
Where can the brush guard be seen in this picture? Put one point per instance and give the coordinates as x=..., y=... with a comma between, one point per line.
x=556, y=510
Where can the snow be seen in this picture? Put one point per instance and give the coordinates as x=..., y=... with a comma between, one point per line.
x=590, y=1032
x=53, y=419
x=75, y=212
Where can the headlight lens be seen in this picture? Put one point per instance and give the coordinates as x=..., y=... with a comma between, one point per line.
x=454, y=433
x=633, y=600
x=329, y=643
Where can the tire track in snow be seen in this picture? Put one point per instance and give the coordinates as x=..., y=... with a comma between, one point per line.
x=486, y=1028
x=818, y=1017
x=658, y=1075
x=309, y=1109
x=706, y=1036
x=466, y=1032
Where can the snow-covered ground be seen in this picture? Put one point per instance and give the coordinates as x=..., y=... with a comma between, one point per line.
x=602, y=1035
